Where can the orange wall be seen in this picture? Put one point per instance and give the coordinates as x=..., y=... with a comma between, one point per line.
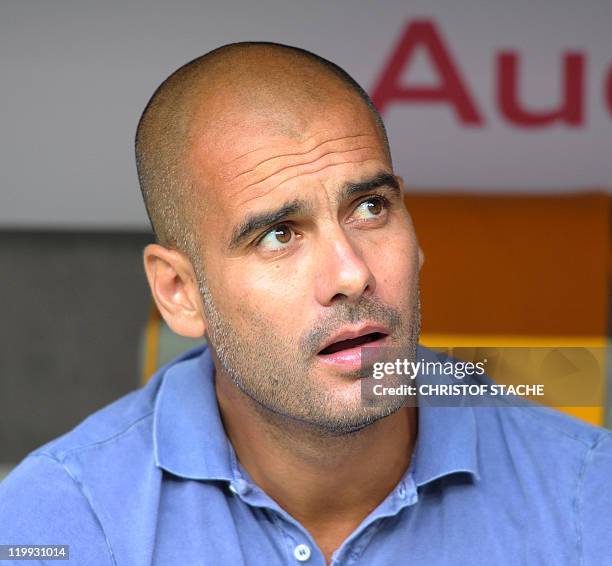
x=532, y=265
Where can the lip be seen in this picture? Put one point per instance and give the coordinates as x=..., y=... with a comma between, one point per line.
x=350, y=359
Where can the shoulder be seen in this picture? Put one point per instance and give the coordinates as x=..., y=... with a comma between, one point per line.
x=128, y=420
x=547, y=425
x=594, y=501
x=107, y=424
x=558, y=467
x=41, y=503
x=563, y=463
x=61, y=492
x=540, y=436
x=53, y=495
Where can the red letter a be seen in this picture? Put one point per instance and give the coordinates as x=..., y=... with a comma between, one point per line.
x=423, y=33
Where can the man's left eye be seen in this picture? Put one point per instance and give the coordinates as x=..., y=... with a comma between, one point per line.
x=371, y=208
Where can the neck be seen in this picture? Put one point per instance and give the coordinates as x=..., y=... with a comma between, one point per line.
x=328, y=483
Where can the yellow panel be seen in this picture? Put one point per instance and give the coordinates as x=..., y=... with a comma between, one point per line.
x=594, y=415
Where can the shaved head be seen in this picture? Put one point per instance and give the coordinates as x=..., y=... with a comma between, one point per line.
x=268, y=179
x=275, y=86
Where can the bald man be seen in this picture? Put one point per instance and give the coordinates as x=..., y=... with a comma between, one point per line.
x=283, y=240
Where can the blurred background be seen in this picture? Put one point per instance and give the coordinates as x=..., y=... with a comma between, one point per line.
x=500, y=121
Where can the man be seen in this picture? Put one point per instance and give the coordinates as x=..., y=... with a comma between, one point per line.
x=283, y=239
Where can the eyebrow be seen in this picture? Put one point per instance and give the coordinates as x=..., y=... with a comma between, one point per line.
x=350, y=190
x=298, y=207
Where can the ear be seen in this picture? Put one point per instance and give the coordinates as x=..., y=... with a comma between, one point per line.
x=175, y=290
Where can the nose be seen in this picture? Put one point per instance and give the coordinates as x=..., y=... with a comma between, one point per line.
x=342, y=273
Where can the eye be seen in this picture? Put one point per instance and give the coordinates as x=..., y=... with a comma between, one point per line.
x=372, y=207
x=276, y=238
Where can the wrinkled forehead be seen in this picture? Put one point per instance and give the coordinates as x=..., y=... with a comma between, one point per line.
x=243, y=162
x=247, y=148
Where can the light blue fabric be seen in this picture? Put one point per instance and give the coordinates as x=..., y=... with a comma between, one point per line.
x=152, y=479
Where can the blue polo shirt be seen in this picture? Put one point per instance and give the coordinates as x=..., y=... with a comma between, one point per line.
x=153, y=479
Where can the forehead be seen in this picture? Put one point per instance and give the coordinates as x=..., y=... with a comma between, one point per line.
x=248, y=161
x=245, y=148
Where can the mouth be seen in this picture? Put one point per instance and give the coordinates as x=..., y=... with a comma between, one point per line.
x=343, y=351
x=352, y=343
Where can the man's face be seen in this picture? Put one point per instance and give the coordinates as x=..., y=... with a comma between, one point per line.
x=306, y=242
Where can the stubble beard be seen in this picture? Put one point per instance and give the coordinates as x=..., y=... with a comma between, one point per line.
x=258, y=363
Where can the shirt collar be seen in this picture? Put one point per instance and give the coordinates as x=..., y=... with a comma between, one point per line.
x=189, y=438
x=190, y=441
x=447, y=436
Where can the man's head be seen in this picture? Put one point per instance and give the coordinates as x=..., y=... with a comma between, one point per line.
x=267, y=176
x=166, y=124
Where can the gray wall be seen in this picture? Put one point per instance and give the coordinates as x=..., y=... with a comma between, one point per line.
x=73, y=308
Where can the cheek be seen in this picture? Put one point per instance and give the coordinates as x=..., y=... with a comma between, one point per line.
x=395, y=268
x=268, y=295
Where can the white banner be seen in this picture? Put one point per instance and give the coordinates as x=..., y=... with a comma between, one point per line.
x=476, y=94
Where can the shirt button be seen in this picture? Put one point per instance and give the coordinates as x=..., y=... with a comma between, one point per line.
x=301, y=552
x=402, y=490
x=239, y=487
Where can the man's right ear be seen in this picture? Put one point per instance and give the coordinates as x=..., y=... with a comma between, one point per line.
x=175, y=290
